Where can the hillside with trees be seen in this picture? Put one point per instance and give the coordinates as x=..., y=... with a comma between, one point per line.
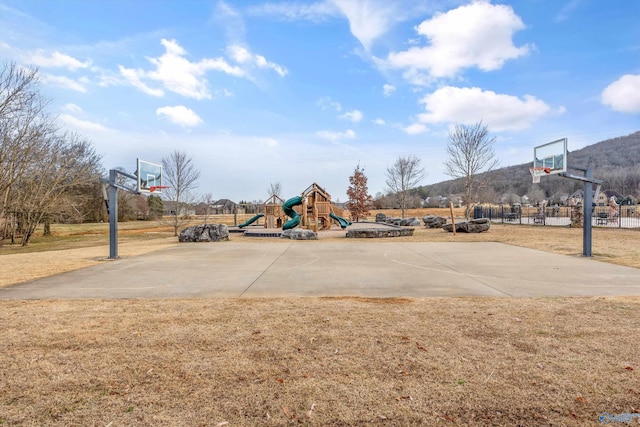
x=616, y=161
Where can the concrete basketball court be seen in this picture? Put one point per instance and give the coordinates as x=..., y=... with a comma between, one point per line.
x=366, y=268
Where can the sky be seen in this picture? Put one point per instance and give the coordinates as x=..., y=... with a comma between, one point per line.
x=296, y=92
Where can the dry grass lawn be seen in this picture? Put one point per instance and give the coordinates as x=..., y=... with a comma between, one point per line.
x=318, y=361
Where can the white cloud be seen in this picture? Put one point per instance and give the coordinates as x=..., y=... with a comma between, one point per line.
x=368, y=19
x=354, y=116
x=231, y=20
x=56, y=60
x=65, y=82
x=335, y=136
x=72, y=108
x=418, y=78
x=223, y=92
x=174, y=72
x=133, y=77
x=624, y=94
x=81, y=125
x=415, y=129
x=186, y=78
x=315, y=12
x=180, y=115
x=476, y=35
x=388, y=89
x=177, y=74
x=326, y=103
x=471, y=105
x=379, y=122
x=243, y=56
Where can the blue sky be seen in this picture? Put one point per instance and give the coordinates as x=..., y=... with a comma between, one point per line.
x=261, y=92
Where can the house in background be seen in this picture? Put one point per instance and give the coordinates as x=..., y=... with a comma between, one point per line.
x=456, y=199
x=226, y=207
x=510, y=199
x=604, y=196
x=185, y=209
x=202, y=209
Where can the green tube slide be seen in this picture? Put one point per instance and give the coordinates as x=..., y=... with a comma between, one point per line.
x=287, y=208
x=252, y=220
x=343, y=222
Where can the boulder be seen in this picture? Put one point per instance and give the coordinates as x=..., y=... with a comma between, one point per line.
x=394, y=221
x=204, y=233
x=473, y=226
x=410, y=222
x=381, y=217
x=369, y=233
x=299, y=234
x=434, y=221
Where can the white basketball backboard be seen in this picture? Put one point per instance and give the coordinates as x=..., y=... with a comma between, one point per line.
x=149, y=177
x=552, y=155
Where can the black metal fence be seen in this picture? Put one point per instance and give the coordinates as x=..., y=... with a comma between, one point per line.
x=624, y=216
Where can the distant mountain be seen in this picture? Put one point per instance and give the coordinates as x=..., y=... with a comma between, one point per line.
x=623, y=151
x=616, y=160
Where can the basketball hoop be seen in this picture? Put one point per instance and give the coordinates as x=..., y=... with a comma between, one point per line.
x=537, y=172
x=157, y=187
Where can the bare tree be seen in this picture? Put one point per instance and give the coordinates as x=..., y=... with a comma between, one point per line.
x=23, y=128
x=207, y=199
x=359, y=198
x=181, y=176
x=470, y=151
x=275, y=189
x=404, y=175
x=45, y=174
x=62, y=166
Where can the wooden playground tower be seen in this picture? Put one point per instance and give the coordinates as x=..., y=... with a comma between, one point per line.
x=274, y=217
x=316, y=209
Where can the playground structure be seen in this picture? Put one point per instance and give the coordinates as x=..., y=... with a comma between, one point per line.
x=274, y=217
x=251, y=220
x=313, y=210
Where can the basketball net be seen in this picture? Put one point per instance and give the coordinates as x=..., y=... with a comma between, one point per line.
x=537, y=172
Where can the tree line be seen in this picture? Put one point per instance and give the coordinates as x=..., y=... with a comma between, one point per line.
x=46, y=173
x=49, y=174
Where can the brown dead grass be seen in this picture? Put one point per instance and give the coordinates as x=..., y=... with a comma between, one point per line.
x=321, y=361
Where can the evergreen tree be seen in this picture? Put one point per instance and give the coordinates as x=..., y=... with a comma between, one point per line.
x=156, y=207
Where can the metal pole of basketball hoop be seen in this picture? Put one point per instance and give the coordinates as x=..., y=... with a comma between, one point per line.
x=112, y=207
x=148, y=178
x=551, y=158
x=588, y=203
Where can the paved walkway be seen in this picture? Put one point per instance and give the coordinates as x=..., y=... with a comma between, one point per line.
x=358, y=268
